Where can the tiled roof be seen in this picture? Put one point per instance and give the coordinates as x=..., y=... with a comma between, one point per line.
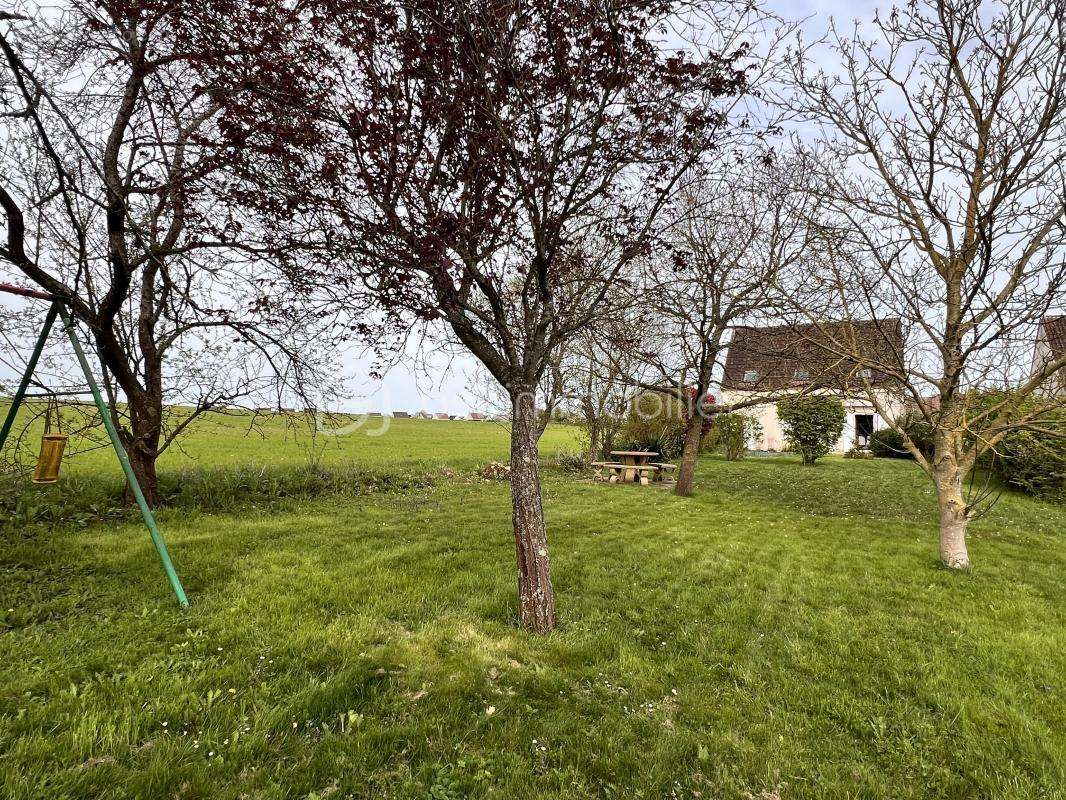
x=783, y=356
x=1054, y=329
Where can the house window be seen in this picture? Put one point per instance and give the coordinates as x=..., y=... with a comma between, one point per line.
x=751, y=376
x=801, y=374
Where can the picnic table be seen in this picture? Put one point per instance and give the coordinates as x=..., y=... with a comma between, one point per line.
x=633, y=460
x=634, y=466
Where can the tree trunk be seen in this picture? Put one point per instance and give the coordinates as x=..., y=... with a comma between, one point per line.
x=536, y=598
x=954, y=514
x=594, y=441
x=143, y=461
x=686, y=473
x=608, y=440
x=141, y=441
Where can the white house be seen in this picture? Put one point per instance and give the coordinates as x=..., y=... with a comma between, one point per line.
x=777, y=359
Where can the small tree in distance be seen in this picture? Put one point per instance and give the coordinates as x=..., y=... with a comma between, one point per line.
x=598, y=395
x=732, y=241
x=812, y=424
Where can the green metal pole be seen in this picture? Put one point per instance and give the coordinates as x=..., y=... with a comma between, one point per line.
x=31, y=365
x=135, y=487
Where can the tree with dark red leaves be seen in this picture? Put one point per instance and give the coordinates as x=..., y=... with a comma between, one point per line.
x=498, y=166
x=121, y=166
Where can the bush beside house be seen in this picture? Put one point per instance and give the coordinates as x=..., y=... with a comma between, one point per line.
x=1033, y=458
x=1035, y=461
x=812, y=424
x=731, y=434
x=888, y=443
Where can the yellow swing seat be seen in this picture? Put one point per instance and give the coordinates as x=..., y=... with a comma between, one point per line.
x=50, y=459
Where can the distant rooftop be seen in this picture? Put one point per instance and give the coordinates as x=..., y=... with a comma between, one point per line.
x=1054, y=332
x=782, y=356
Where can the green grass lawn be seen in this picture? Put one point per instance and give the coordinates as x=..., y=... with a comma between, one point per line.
x=785, y=632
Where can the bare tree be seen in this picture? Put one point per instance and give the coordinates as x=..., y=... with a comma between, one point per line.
x=942, y=143
x=733, y=241
x=117, y=190
x=549, y=395
x=602, y=384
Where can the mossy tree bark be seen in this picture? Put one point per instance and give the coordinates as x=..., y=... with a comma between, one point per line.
x=536, y=597
x=690, y=452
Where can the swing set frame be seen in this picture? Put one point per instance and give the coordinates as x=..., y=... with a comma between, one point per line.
x=57, y=310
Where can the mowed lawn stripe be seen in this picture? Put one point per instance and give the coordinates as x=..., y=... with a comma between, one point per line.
x=738, y=641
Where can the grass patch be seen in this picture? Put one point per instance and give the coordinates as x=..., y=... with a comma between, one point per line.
x=223, y=440
x=784, y=631
x=232, y=463
x=80, y=500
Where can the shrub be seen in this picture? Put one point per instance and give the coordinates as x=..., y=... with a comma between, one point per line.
x=731, y=434
x=921, y=433
x=1034, y=460
x=888, y=443
x=812, y=425
x=654, y=424
x=570, y=461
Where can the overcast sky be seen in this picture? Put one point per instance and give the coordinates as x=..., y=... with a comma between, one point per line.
x=442, y=383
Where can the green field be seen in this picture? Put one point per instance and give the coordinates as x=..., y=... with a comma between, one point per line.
x=281, y=441
x=783, y=633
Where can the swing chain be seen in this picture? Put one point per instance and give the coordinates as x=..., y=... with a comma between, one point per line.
x=50, y=411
